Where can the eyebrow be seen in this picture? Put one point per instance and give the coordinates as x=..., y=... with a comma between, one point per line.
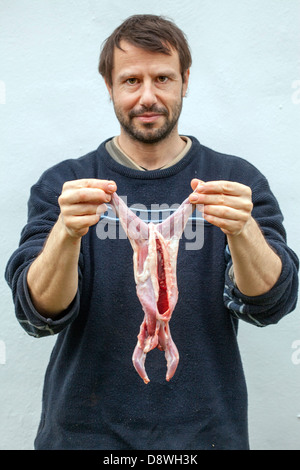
x=164, y=73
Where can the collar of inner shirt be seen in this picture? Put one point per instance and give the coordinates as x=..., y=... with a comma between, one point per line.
x=121, y=157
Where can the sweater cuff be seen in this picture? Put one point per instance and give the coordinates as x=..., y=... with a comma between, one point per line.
x=33, y=322
x=263, y=309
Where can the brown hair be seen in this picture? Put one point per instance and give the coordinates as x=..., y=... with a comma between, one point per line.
x=150, y=32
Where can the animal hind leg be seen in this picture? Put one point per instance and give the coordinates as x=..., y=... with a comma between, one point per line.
x=138, y=360
x=167, y=344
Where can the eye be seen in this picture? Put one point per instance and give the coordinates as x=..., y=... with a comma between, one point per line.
x=162, y=79
x=131, y=81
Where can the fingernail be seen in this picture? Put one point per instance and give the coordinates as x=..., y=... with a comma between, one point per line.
x=193, y=197
x=111, y=187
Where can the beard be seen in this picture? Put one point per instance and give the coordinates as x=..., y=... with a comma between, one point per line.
x=147, y=133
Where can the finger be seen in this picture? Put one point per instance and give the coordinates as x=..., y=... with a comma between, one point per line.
x=242, y=203
x=229, y=227
x=81, y=224
x=81, y=209
x=101, y=209
x=108, y=186
x=195, y=182
x=224, y=187
x=83, y=195
x=226, y=213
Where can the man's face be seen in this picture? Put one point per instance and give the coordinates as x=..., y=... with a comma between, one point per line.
x=147, y=91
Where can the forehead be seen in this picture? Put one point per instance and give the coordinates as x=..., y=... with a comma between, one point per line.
x=136, y=58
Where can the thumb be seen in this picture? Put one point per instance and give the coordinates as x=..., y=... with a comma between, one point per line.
x=195, y=182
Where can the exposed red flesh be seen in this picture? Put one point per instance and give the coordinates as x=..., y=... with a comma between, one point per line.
x=163, y=301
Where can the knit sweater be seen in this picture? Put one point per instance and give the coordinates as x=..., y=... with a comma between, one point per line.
x=93, y=398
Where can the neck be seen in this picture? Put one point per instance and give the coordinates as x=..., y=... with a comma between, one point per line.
x=155, y=155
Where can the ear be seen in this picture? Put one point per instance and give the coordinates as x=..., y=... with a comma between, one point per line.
x=185, y=83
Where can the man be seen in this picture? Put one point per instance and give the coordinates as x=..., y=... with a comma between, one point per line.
x=67, y=280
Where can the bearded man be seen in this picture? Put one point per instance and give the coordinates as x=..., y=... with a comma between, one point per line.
x=67, y=281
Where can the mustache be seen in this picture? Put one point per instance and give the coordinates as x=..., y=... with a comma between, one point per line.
x=145, y=109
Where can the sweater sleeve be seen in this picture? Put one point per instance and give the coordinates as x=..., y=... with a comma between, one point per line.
x=270, y=307
x=43, y=211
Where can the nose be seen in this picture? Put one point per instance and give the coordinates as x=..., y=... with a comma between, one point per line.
x=148, y=97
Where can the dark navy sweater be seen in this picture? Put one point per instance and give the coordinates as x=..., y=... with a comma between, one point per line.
x=93, y=398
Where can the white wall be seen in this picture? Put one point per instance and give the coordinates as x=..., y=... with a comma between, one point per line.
x=53, y=105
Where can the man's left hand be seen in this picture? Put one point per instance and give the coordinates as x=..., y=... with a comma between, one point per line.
x=226, y=204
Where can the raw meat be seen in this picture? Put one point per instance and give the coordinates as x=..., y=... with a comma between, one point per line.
x=155, y=248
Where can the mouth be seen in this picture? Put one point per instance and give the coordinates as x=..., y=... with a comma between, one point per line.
x=149, y=117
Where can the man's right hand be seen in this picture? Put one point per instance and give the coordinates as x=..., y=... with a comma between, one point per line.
x=53, y=276
x=81, y=203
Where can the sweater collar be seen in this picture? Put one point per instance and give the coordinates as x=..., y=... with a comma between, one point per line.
x=150, y=174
